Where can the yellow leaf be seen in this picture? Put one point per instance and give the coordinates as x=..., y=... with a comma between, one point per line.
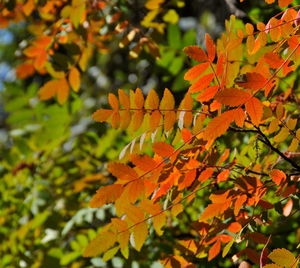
x=158, y=222
x=140, y=233
x=171, y=16
x=153, y=4
x=167, y=101
x=282, y=135
x=110, y=254
x=283, y=257
x=74, y=79
x=97, y=245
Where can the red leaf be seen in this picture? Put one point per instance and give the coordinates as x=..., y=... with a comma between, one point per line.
x=196, y=71
x=214, y=250
x=277, y=176
x=210, y=47
x=195, y=53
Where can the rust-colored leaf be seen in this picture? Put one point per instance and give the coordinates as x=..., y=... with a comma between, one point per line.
x=210, y=47
x=195, y=53
x=277, y=176
x=254, y=108
x=232, y=96
x=163, y=149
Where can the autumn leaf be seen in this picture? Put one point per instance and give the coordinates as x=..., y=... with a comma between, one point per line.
x=195, y=53
x=283, y=257
x=214, y=250
x=232, y=96
x=102, y=115
x=140, y=233
x=122, y=171
x=254, y=108
x=210, y=47
x=163, y=149
x=74, y=79
x=97, y=247
x=278, y=176
x=218, y=126
x=196, y=71
x=106, y=194
x=254, y=81
x=167, y=101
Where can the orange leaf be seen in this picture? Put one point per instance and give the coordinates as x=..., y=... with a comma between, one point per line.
x=284, y=3
x=24, y=70
x=186, y=135
x=106, y=194
x=102, y=115
x=188, y=179
x=223, y=175
x=167, y=101
x=232, y=96
x=169, y=120
x=210, y=47
x=254, y=108
x=152, y=100
x=234, y=227
x=239, y=117
x=48, y=90
x=115, y=119
x=163, y=149
x=138, y=99
x=208, y=94
x=213, y=210
x=124, y=99
x=195, y=53
x=218, y=126
x=214, y=250
x=145, y=162
x=154, y=120
x=122, y=171
x=113, y=101
x=206, y=174
x=254, y=81
x=238, y=204
x=74, y=79
x=137, y=120
x=202, y=83
x=277, y=176
x=196, y=71
x=63, y=90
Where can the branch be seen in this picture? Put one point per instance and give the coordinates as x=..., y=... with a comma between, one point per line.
x=266, y=141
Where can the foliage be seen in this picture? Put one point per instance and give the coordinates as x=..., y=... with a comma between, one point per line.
x=203, y=174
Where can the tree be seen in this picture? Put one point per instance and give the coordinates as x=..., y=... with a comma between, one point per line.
x=216, y=172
